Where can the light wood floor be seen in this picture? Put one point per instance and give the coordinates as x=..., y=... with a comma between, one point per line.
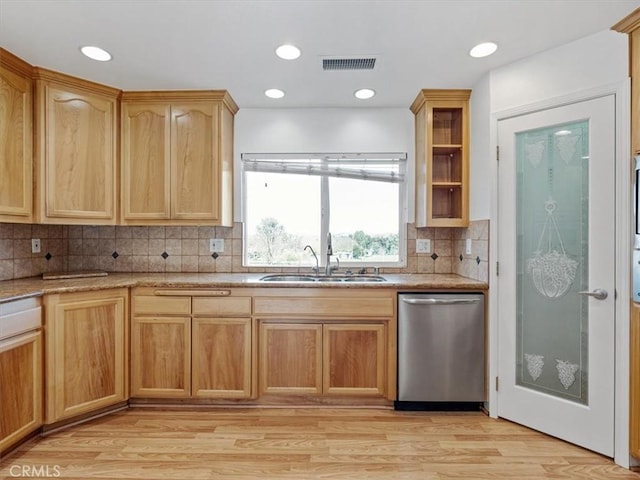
x=301, y=444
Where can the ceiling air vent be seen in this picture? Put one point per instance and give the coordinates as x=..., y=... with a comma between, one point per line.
x=348, y=63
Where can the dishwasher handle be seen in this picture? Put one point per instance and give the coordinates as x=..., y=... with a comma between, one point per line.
x=441, y=301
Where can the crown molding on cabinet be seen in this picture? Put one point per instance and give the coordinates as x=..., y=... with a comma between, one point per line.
x=182, y=96
x=437, y=94
x=628, y=23
x=9, y=61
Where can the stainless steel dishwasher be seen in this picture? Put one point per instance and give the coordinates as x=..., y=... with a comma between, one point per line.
x=441, y=351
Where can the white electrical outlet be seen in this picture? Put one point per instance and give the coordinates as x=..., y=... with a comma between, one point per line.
x=423, y=245
x=468, y=247
x=35, y=245
x=216, y=245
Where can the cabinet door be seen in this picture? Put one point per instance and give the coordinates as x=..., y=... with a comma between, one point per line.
x=78, y=176
x=86, y=334
x=160, y=362
x=290, y=358
x=354, y=359
x=20, y=387
x=221, y=357
x=194, y=162
x=16, y=138
x=145, y=161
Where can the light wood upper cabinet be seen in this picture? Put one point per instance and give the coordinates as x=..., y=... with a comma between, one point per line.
x=146, y=154
x=177, y=158
x=86, y=354
x=195, y=166
x=16, y=139
x=75, y=152
x=442, y=158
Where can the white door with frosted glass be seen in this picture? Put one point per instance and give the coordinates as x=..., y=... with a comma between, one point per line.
x=556, y=283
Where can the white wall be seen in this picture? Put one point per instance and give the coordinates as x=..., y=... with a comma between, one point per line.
x=590, y=62
x=313, y=130
x=480, y=154
x=594, y=61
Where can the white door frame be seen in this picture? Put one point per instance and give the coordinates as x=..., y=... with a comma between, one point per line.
x=624, y=246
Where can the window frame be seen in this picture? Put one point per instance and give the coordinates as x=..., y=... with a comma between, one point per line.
x=325, y=215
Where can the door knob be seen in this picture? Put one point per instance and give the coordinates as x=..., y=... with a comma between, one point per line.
x=598, y=293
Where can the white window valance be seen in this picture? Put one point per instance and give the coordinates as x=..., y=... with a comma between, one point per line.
x=381, y=167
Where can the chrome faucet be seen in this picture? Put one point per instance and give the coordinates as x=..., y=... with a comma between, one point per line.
x=328, y=269
x=316, y=270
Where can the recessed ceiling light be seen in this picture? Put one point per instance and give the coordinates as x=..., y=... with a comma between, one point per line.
x=364, y=93
x=483, y=49
x=96, y=53
x=288, y=52
x=274, y=93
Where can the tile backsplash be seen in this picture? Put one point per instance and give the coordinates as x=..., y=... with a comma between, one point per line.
x=16, y=259
x=186, y=249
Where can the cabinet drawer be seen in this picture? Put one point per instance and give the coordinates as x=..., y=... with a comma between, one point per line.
x=226, y=306
x=143, y=305
x=19, y=322
x=324, y=306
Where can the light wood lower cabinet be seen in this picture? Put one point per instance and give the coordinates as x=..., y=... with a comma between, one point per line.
x=85, y=352
x=290, y=358
x=316, y=359
x=160, y=358
x=20, y=387
x=221, y=357
x=245, y=343
x=326, y=342
x=354, y=359
x=191, y=343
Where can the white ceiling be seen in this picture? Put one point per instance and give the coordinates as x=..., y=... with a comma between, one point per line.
x=229, y=44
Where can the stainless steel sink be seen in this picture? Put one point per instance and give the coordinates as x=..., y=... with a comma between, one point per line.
x=362, y=278
x=283, y=277
x=287, y=278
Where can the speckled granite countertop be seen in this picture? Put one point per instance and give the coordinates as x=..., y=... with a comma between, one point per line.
x=35, y=286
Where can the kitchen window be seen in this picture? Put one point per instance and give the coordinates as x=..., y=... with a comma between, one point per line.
x=294, y=200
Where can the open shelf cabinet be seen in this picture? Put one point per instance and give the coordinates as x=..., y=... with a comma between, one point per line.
x=442, y=158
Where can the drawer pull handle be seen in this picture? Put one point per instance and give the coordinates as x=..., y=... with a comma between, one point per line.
x=192, y=293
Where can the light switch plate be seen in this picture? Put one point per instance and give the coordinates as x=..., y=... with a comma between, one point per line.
x=423, y=245
x=216, y=245
x=468, y=247
x=35, y=245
